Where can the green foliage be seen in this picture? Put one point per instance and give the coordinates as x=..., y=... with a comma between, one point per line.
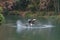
x=28, y=15
x=34, y=5
x=16, y=12
x=33, y=8
x=2, y=19
x=1, y=16
x=21, y=4
x=1, y=9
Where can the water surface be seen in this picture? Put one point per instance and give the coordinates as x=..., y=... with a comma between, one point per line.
x=8, y=31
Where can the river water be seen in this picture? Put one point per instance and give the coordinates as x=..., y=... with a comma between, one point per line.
x=44, y=29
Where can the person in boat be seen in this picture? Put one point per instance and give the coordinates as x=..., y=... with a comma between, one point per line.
x=31, y=21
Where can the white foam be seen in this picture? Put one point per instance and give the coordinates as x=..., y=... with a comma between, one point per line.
x=21, y=27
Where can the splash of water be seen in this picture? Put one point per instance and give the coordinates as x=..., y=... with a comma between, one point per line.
x=21, y=27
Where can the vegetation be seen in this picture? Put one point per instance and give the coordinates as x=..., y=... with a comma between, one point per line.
x=2, y=19
x=37, y=6
x=33, y=8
